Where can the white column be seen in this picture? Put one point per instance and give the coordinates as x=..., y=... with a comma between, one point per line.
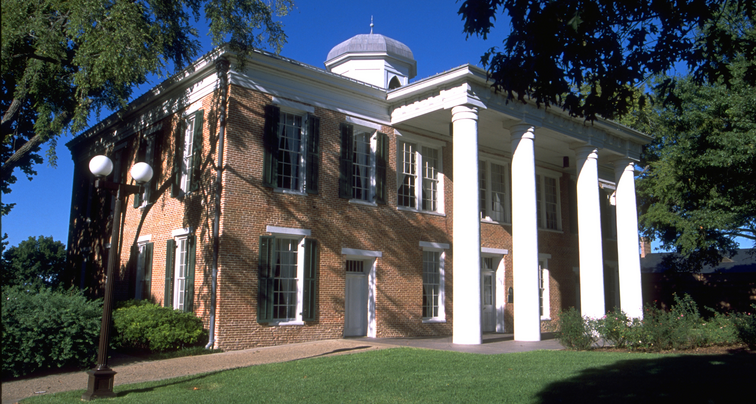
x=631, y=295
x=527, y=319
x=466, y=227
x=589, y=234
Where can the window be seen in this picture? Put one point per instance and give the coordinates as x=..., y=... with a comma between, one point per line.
x=287, y=273
x=547, y=196
x=544, y=296
x=186, y=166
x=608, y=213
x=362, y=172
x=493, y=181
x=146, y=153
x=433, y=282
x=420, y=179
x=292, y=153
x=143, y=271
x=179, y=271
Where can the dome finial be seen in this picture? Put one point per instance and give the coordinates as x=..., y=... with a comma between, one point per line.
x=371, y=25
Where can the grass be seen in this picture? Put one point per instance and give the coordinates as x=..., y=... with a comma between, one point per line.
x=406, y=375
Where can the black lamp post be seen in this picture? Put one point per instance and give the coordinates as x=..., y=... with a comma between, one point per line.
x=101, y=378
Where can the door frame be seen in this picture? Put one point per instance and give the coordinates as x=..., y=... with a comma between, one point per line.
x=500, y=290
x=370, y=259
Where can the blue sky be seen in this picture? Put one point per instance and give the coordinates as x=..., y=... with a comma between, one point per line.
x=432, y=29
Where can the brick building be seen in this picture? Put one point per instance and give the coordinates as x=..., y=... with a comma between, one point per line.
x=292, y=203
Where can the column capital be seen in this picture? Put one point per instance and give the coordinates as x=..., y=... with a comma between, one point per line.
x=587, y=152
x=465, y=111
x=522, y=131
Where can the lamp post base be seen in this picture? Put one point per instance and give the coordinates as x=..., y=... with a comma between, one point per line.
x=100, y=384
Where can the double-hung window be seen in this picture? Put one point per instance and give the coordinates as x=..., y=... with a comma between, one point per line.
x=362, y=167
x=495, y=202
x=147, y=153
x=420, y=178
x=179, y=271
x=433, y=281
x=287, y=275
x=547, y=197
x=292, y=153
x=188, y=157
x=544, y=294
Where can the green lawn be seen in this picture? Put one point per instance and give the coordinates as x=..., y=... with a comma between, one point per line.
x=406, y=375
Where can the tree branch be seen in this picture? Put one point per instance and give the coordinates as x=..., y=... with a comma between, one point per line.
x=12, y=162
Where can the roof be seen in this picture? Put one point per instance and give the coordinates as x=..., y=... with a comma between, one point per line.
x=743, y=261
x=371, y=43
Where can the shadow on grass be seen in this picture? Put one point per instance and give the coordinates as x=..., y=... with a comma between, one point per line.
x=727, y=378
x=191, y=382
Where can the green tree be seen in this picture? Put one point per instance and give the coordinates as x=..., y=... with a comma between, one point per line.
x=65, y=59
x=34, y=262
x=587, y=55
x=695, y=192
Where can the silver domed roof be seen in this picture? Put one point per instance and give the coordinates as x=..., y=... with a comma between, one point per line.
x=371, y=43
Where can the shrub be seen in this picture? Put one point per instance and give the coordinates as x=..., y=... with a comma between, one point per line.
x=745, y=324
x=575, y=331
x=719, y=329
x=615, y=328
x=45, y=329
x=147, y=326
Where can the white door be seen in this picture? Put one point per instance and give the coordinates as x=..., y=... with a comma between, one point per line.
x=355, y=300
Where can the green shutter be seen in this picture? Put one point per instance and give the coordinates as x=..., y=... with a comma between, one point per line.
x=195, y=171
x=147, y=275
x=191, y=252
x=265, y=279
x=313, y=153
x=170, y=253
x=177, y=157
x=381, y=157
x=270, y=145
x=345, y=166
x=310, y=292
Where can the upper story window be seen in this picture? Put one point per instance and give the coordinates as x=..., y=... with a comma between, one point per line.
x=493, y=180
x=362, y=170
x=186, y=166
x=547, y=197
x=292, y=151
x=420, y=179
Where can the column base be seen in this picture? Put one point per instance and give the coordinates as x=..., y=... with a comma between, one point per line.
x=100, y=384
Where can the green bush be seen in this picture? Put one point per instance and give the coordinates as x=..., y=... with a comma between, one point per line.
x=149, y=327
x=575, y=331
x=615, y=328
x=719, y=329
x=45, y=329
x=745, y=324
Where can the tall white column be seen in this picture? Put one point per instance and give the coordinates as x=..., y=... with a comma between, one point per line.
x=527, y=318
x=589, y=234
x=466, y=227
x=631, y=295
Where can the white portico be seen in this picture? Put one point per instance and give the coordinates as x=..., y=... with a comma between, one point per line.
x=543, y=148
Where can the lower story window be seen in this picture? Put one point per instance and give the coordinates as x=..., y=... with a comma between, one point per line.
x=179, y=272
x=144, y=271
x=433, y=281
x=287, y=274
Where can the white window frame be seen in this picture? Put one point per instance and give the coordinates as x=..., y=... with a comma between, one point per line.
x=541, y=209
x=287, y=109
x=440, y=249
x=544, y=285
x=178, y=294
x=187, y=153
x=369, y=198
x=486, y=204
x=288, y=233
x=419, y=151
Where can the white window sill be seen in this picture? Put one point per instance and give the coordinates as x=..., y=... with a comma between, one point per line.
x=434, y=320
x=491, y=221
x=288, y=191
x=362, y=202
x=550, y=230
x=425, y=212
x=286, y=322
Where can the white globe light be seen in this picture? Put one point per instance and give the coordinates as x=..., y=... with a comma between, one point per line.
x=141, y=173
x=100, y=166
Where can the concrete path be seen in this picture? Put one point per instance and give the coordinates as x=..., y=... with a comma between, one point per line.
x=133, y=370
